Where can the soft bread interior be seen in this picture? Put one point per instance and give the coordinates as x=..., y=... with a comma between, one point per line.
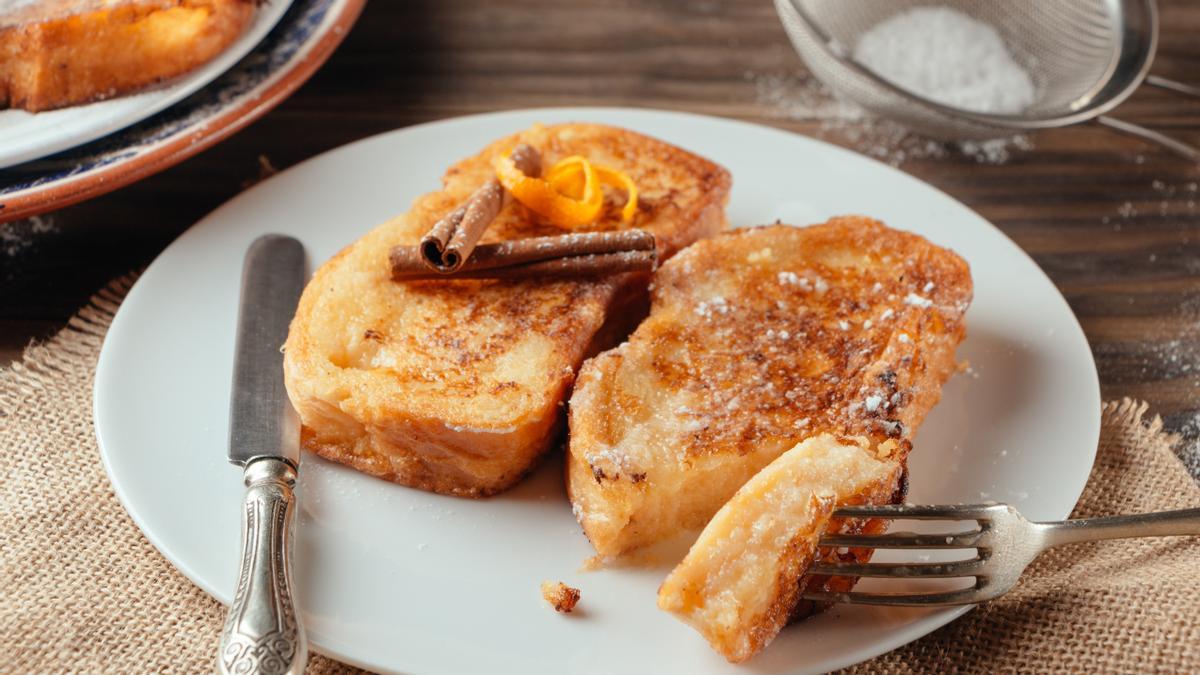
x=739, y=583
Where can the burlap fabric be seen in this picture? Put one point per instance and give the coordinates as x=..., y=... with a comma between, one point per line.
x=82, y=591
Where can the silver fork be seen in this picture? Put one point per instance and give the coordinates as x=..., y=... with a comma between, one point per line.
x=1006, y=543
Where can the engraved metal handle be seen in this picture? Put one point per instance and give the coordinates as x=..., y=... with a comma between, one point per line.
x=263, y=632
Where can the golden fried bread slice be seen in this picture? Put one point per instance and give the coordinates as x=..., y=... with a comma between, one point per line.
x=457, y=386
x=740, y=581
x=756, y=340
x=55, y=53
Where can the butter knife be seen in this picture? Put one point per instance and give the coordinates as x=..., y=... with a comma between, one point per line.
x=263, y=632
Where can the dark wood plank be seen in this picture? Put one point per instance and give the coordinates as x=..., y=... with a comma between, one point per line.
x=1110, y=220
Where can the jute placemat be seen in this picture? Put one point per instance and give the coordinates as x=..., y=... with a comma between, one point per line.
x=81, y=590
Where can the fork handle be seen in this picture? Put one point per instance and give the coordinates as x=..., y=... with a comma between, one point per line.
x=1161, y=524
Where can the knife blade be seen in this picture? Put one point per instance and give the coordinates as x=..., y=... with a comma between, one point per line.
x=263, y=632
x=262, y=422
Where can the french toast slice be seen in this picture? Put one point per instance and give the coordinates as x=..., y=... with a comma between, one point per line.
x=458, y=386
x=758, y=339
x=741, y=580
x=56, y=53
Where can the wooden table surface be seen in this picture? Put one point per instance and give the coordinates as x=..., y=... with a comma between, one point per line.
x=1113, y=222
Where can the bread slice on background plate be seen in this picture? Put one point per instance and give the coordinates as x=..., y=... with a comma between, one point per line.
x=741, y=581
x=458, y=386
x=56, y=53
x=758, y=339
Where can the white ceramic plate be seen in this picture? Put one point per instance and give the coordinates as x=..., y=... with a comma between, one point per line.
x=25, y=136
x=400, y=580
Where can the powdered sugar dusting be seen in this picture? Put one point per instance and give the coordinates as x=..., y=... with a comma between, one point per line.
x=1188, y=448
x=714, y=305
x=7, y=6
x=730, y=353
x=794, y=279
x=804, y=98
x=18, y=235
x=917, y=301
x=607, y=455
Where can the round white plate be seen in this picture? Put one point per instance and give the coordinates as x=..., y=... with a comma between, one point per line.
x=400, y=580
x=25, y=136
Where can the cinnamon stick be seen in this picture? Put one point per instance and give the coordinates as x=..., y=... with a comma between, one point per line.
x=452, y=239
x=581, y=254
x=591, y=265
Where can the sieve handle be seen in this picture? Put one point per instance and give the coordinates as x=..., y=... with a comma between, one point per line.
x=1174, y=145
x=1172, y=85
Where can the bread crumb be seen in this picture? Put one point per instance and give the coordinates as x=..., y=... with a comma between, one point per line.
x=265, y=170
x=639, y=559
x=560, y=596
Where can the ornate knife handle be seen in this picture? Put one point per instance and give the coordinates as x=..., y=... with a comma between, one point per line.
x=263, y=633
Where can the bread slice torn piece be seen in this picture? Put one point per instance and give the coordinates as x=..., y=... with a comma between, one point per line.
x=740, y=582
x=758, y=339
x=458, y=386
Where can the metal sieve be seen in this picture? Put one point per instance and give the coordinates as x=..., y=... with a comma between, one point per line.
x=1085, y=57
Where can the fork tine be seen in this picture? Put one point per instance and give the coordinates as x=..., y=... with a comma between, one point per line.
x=969, y=539
x=954, y=568
x=922, y=512
x=965, y=596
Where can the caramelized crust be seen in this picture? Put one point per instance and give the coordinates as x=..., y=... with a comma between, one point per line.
x=821, y=583
x=57, y=53
x=739, y=583
x=457, y=386
x=756, y=340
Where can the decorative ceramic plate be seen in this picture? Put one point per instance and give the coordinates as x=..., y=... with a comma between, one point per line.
x=25, y=136
x=400, y=580
x=176, y=121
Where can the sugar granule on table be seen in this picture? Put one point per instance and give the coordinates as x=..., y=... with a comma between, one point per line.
x=947, y=56
x=18, y=235
x=805, y=99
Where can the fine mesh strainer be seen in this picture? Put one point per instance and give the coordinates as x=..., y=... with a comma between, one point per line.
x=1085, y=57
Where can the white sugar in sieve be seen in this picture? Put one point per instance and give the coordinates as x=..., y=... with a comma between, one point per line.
x=1085, y=56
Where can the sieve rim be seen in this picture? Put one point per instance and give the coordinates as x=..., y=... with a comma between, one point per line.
x=1007, y=121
